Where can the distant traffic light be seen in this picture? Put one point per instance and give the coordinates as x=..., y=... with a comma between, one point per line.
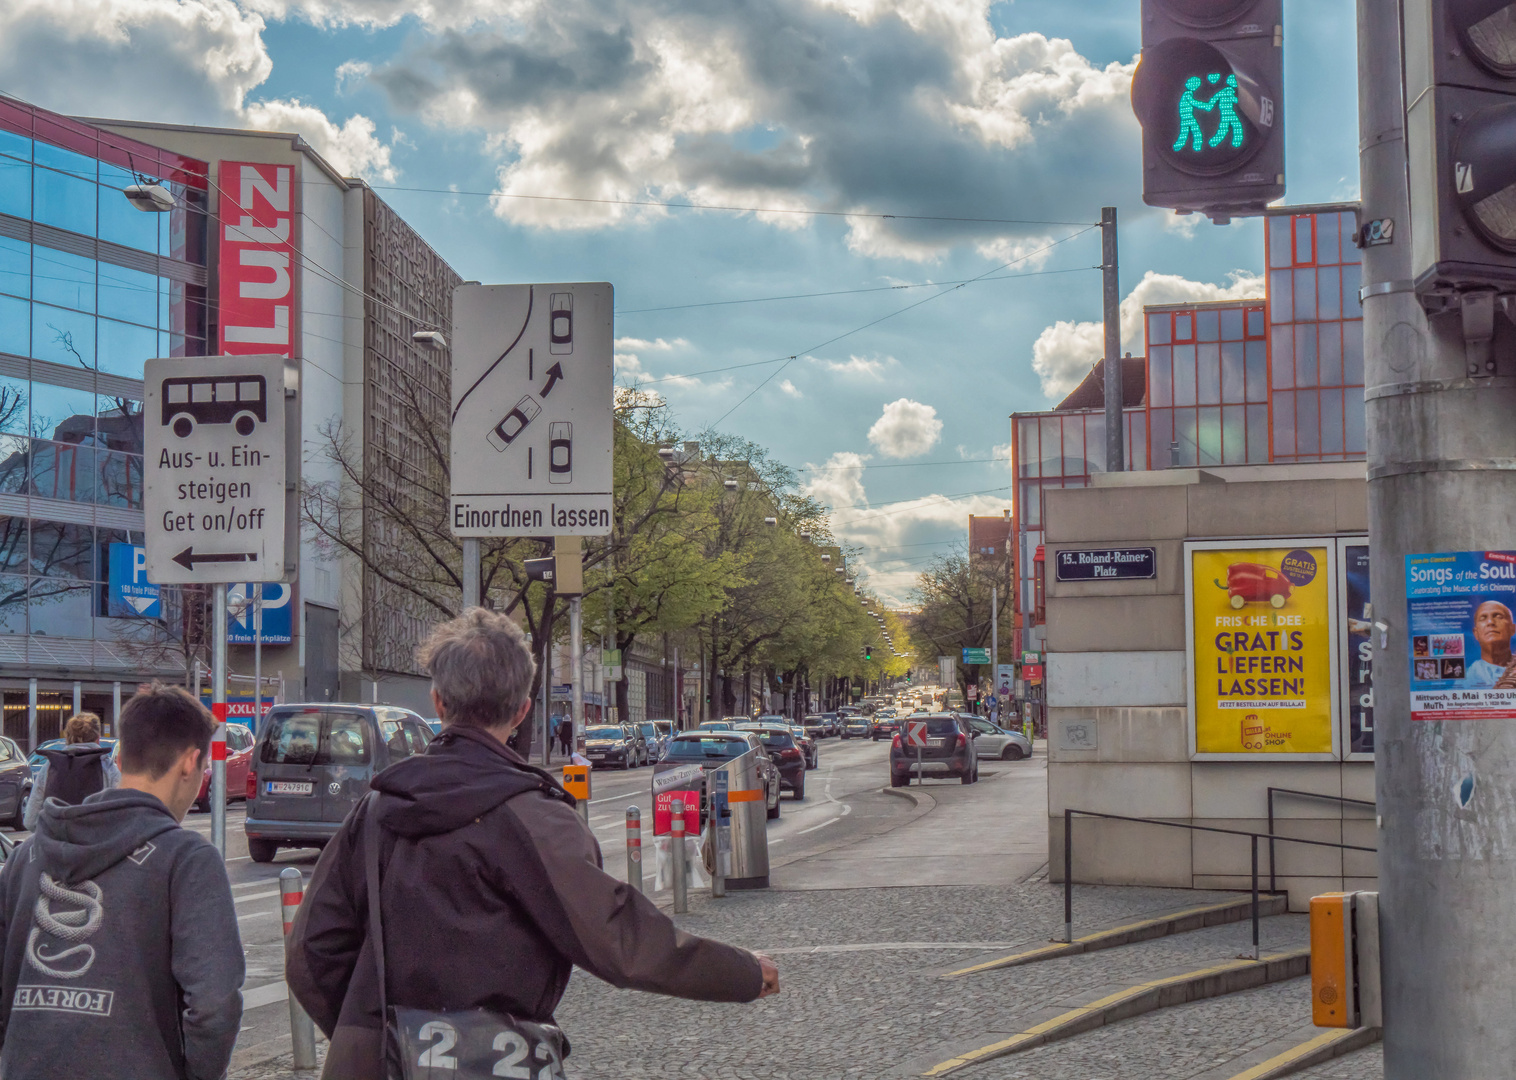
x=1460, y=86
x=868, y=652
x=1209, y=95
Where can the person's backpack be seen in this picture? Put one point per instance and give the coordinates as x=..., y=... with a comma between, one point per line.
x=74, y=772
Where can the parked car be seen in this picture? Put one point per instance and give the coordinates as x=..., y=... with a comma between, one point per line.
x=712, y=749
x=312, y=763
x=665, y=732
x=779, y=743
x=808, y=745
x=991, y=741
x=643, y=753
x=856, y=727
x=611, y=744
x=239, y=758
x=651, y=739
x=949, y=751
x=15, y=783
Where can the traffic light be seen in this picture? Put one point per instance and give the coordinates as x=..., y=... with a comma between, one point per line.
x=1208, y=93
x=868, y=652
x=1460, y=86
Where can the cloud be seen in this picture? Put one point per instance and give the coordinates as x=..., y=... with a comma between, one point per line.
x=643, y=345
x=860, y=366
x=860, y=107
x=1064, y=353
x=898, y=539
x=350, y=73
x=790, y=388
x=838, y=483
x=352, y=149
x=905, y=429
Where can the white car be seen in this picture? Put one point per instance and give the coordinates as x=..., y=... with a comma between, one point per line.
x=996, y=742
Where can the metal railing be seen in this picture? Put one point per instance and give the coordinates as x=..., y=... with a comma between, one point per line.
x=1304, y=795
x=1068, y=858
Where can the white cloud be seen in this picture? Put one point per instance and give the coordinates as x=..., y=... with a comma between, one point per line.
x=899, y=538
x=1002, y=454
x=790, y=388
x=1064, y=353
x=643, y=345
x=905, y=429
x=352, y=72
x=866, y=367
x=352, y=149
x=838, y=483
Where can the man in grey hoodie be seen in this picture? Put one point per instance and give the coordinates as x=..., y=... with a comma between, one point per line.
x=119, y=950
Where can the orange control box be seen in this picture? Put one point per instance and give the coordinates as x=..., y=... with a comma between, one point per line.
x=576, y=781
x=1331, y=961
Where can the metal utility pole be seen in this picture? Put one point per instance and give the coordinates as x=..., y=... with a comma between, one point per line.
x=471, y=573
x=1441, y=454
x=1115, y=438
x=576, y=663
x=218, y=709
x=995, y=639
x=258, y=658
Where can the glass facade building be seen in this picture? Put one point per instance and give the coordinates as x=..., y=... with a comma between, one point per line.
x=1273, y=379
x=90, y=288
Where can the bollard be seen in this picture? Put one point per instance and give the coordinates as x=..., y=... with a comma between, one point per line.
x=634, y=847
x=676, y=846
x=302, y=1030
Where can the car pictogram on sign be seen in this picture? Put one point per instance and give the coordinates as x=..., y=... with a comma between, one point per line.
x=560, y=334
x=560, y=452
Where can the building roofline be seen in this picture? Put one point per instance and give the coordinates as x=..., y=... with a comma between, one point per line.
x=297, y=142
x=1204, y=305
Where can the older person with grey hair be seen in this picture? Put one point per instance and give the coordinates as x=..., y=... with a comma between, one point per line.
x=492, y=889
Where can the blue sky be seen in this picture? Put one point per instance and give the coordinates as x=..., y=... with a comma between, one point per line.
x=949, y=108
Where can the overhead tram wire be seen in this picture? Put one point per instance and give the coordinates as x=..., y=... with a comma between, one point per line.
x=901, y=311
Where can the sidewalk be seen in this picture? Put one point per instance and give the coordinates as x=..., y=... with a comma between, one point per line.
x=863, y=997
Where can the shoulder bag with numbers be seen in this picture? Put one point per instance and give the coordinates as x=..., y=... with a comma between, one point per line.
x=466, y=1044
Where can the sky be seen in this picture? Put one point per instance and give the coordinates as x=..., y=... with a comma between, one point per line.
x=912, y=257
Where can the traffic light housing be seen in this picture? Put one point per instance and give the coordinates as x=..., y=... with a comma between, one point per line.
x=868, y=652
x=1460, y=90
x=1208, y=93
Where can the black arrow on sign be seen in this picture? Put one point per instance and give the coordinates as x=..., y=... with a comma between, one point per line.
x=554, y=373
x=187, y=558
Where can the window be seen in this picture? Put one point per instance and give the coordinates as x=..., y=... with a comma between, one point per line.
x=396, y=740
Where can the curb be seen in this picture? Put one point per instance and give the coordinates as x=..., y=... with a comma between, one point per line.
x=1299, y=1050
x=1180, y=922
x=1077, y=1017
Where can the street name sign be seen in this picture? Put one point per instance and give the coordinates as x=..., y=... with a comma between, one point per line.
x=215, y=490
x=532, y=426
x=1108, y=564
x=915, y=733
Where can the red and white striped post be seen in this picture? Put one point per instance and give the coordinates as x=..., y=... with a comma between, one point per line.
x=218, y=709
x=302, y=1030
x=634, y=847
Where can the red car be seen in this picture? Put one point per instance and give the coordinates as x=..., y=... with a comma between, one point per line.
x=239, y=756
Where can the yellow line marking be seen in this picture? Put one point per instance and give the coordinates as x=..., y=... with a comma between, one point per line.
x=1099, y=935
x=995, y=1049
x=1295, y=1053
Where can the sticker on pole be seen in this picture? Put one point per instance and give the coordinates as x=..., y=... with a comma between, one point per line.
x=915, y=733
x=214, y=470
x=1460, y=621
x=532, y=410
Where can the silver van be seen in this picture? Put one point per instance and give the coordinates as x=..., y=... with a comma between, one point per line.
x=312, y=764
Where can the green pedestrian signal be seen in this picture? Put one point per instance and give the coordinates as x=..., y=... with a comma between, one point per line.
x=1223, y=101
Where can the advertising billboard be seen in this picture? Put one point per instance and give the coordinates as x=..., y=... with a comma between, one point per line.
x=1358, y=648
x=259, y=307
x=1461, y=624
x=1262, y=622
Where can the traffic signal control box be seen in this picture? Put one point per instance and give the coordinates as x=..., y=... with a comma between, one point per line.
x=1345, y=960
x=1208, y=93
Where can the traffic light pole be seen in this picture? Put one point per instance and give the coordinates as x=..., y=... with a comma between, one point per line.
x=1115, y=441
x=1440, y=448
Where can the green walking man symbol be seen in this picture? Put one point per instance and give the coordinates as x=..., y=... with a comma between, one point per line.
x=1225, y=100
x=1189, y=127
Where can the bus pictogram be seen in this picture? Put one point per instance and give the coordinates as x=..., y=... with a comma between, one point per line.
x=238, y=400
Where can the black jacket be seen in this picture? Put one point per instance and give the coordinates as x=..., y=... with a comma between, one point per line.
x=492, y=891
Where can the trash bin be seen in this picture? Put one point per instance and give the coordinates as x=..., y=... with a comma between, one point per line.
x=741, y=831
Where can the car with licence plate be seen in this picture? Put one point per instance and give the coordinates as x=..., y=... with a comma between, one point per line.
x=652, y=739
x=779, y=743
x=815, y=726
x=311, y=764
x=713, y=749
x=993, y=741
x=611, y=745
x=949, y=751
x=856, y=727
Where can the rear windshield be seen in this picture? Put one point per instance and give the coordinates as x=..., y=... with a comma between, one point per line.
x=316, y=738
x=605, y=733
x=776, y=740
x=703, y=749
x=941, y=725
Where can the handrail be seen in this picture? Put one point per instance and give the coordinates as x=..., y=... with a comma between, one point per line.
x=1305, y=795
x=1068, y=858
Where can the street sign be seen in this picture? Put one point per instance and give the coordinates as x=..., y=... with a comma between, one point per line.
x=1108, y=564
x=215, y=490
x=915, y=733
x=276, y=622
x=976, y=656
x=532, y=426
x=131, y=595
x=1031, y=658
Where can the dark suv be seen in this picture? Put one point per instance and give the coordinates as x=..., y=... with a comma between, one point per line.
x=949, y=750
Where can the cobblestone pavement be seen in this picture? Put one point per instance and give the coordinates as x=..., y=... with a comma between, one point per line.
x=847, y=1010
x=1366, y=1064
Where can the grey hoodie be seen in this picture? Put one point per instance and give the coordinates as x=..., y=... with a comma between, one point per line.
x=121, y=955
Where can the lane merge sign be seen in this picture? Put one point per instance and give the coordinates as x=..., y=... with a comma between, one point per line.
x=532, y=426
x=216, y=493
x=915, y=733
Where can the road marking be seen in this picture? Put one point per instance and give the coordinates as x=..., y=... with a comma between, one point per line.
x=253, y=915
x=267, y=994
x=256, y=896
x=824, y=824
x=264, y=883
x=889, y=946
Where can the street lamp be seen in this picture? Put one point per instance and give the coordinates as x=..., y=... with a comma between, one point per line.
x=150, y=198
x=771, y=521
x=666, y=453
x=430, y=338
x=730, y=485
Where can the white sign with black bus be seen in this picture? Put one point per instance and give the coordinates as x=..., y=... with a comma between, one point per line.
x=214, y=483
x=532, y=420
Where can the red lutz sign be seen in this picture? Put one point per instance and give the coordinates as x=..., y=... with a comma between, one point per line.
x=257, y=258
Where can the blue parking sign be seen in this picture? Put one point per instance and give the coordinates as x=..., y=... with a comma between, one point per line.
x=130, y=594
x=276, y=621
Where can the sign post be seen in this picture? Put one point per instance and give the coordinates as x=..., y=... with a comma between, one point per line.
x=915, y=735
x=217, y=496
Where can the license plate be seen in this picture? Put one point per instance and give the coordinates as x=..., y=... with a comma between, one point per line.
x=288, y=787
x=596, y=757
x=936, y=742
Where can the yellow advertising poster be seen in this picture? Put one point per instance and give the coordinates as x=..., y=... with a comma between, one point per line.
x=1263, y=650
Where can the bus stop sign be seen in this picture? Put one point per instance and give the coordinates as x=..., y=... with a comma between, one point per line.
x=214, y=484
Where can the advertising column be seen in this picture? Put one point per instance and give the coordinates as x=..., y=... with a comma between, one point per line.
x=1262, y=626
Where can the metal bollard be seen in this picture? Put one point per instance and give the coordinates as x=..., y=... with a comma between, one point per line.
x=634, y=847
x=302, y=1030
x=676, y=845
